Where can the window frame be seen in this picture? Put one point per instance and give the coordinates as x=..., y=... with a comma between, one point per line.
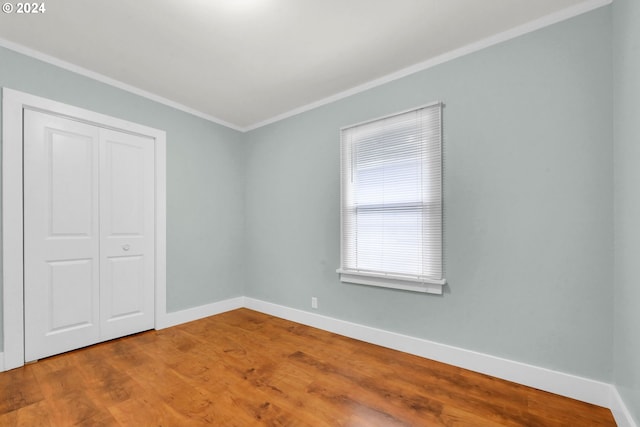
x=407, y=282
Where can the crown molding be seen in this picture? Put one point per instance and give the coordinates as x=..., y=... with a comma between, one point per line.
x=520, y=30
x=35, y=54
x=512, y=33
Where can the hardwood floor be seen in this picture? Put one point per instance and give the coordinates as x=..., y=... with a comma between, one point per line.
x=243, y=368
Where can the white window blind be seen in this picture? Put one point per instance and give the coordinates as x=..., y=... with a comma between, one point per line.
x=391, y=178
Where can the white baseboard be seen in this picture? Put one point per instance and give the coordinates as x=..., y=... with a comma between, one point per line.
x=620, y=411
x=584, y=389
x=200, y=312
x=2, y=367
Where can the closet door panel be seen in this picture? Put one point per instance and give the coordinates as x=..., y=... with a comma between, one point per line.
x=61, y=235
x=127, y=233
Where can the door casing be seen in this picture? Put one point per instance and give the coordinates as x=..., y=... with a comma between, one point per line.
x=13, y=105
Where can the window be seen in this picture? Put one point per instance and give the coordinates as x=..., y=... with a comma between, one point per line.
x=391, y=207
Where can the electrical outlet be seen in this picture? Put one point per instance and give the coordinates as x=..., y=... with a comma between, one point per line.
x=314, y=302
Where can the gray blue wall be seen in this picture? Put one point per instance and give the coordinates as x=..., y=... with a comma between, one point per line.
x=205, y=179
x=528, y=201
x=626, y=130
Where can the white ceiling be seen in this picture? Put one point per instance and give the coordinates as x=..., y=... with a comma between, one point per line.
x=246, y=62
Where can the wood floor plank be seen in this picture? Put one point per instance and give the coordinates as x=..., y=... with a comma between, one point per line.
x=35, y=414
x=18, y=388
x=547, y=408
x=244, y=368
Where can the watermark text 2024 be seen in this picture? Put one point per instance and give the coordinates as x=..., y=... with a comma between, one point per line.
x=24, y=8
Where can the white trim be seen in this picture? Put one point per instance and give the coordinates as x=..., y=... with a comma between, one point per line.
x=518, y=31
x=620, y=411
x=200, y=312
x=584, y=389
x=112, y=82
x=389, y=281
x=12, y=260
x=13, y=104
x=161, y=229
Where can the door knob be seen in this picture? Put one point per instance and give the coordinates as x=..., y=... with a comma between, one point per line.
x=126, y=247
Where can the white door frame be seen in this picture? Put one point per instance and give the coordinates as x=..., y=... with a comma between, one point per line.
x=13, y=104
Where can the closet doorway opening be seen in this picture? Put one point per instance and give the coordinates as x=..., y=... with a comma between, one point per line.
x=84, y=228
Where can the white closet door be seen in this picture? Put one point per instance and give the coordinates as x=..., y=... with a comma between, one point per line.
x=127, y=254
x=89, y=218
x=61, y=235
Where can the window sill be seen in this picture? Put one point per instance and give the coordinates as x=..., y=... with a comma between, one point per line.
x=393, y=282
